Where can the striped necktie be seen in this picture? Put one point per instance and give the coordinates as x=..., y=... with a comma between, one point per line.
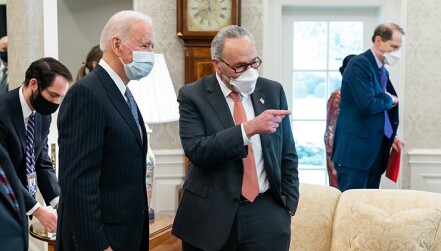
x=30, y=156
x=30, y=148
x=250, y=184
x=3, y=81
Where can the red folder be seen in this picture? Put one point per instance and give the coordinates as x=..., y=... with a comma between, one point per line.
x=393, y=165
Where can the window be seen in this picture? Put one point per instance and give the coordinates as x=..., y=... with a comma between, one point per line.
x=315, y=42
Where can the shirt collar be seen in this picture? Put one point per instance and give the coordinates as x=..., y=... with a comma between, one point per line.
x=24, y=106
x=379, y=63
x=225, y=90
x=118, y=81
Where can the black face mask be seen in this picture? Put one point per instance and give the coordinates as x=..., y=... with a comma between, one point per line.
x=42, y=106
x=4, y=56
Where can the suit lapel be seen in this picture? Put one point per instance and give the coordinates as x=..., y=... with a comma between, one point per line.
x=260, y=104
x=37, y=132
x=118, y=101
x=218, y=103
x=17, y=118
x=375, y=68
x=258, y=99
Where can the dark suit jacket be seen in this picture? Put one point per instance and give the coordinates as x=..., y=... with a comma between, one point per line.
x=360, y=124
x=14, y=230
x=102, y=168
x=214, y=146
x=13, y=139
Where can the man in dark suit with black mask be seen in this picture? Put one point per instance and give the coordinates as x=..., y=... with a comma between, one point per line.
x=24, y=127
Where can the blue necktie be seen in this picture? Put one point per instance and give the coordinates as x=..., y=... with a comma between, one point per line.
x=387, y=125
x=30, y=150
x=133, y=108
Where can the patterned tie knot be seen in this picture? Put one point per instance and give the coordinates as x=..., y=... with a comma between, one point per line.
x=235, y=96
x=128, y=94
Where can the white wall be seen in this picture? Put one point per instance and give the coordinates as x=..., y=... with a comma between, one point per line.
x=80, y=23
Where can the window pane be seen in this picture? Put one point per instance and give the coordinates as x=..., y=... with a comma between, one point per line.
x=310, y=45
x=345, y=37
x=310, y=145
x=334, y=82
x=309, y=95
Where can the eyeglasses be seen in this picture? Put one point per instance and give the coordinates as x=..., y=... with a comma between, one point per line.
x=239, y=68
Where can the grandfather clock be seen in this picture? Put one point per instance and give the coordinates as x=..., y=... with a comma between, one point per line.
x=198, y=21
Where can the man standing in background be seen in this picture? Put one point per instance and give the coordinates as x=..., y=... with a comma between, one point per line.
x=103, y=145
x=368, y=119
x=24, y=127
x=4, y=64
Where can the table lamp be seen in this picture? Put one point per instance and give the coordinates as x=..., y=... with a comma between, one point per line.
x=156, y=99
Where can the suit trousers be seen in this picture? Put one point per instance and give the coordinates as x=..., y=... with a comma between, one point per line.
x=261, y=225
x=351, y=178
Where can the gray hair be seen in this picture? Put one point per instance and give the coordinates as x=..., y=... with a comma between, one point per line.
x=119, y=25
x=232, y=31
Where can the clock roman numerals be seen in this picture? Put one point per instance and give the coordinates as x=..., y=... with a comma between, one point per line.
x=208, y=15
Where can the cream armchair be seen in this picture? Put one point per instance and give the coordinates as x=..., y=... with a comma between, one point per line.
x=366, y=219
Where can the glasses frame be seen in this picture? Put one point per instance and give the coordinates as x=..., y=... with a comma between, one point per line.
x=245, y=65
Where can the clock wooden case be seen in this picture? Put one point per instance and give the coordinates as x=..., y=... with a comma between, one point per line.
x=198, y=21
x=201, y=19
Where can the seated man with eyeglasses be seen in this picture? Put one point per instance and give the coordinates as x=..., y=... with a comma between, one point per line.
x=242, y=185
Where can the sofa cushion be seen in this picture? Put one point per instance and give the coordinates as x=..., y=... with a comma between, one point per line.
x=391, y=201
x=373, y=229
x=311, y=226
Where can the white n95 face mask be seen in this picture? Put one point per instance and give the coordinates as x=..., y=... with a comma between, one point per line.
x=391, y=58
x=246, y=82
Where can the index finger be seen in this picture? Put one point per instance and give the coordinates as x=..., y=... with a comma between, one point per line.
x=279, y=112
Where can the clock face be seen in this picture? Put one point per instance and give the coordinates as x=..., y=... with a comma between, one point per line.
x=208, y=15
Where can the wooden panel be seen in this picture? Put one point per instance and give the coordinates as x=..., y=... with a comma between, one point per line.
x=197, y=63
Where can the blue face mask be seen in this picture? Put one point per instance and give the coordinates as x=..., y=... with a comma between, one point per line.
x=141, y=65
